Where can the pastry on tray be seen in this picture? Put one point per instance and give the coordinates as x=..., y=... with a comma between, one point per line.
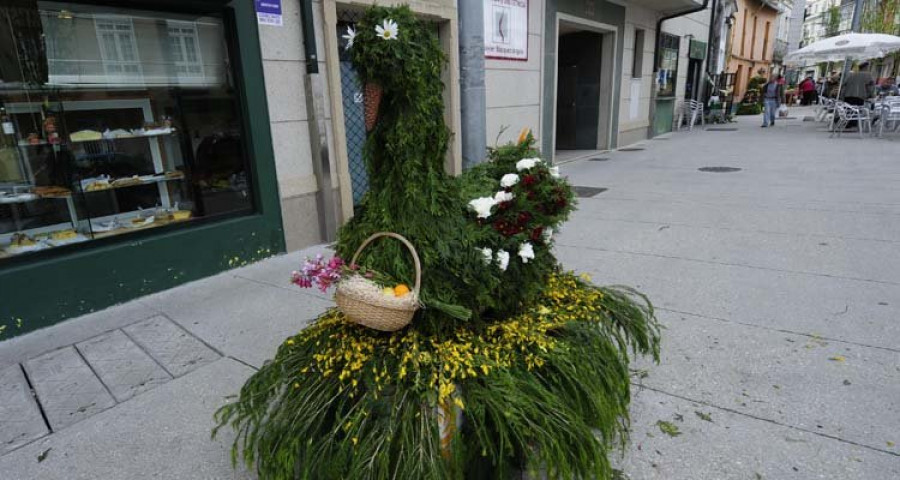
x=52, y=191
x=179, y=215
x=97, y=185
x=86, y=135
x=68, y=234
x=22, y=240
x=138, y=222
x=21, y=243
x=127, y=181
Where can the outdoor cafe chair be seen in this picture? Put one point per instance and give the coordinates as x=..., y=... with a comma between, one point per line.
x=689, y=112
x=890, y=113
x=824, y=108
x=847, y=113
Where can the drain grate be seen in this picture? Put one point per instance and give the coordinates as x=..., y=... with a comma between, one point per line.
x=719, y=169
x=598, y=159
x=588, y=192
x=632, y=149
x=721, y=129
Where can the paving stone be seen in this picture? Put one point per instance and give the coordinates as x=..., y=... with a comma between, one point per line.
x=122, y=366
x=714, y=444
x=66, y=387
x=162, y=435
x=20, y=418
x=176, y=350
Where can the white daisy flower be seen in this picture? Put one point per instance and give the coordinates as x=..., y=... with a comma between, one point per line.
x=502, y=196
x=527, y=163
x=526, y=251
x=483, y=206
x=503, y=259
x=388, y=29
x=488, y=255
x=509, y=180
x=554, y=172
x=350, y=36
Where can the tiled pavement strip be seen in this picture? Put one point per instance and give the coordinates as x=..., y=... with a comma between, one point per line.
x=778, y=286
x=77, y=381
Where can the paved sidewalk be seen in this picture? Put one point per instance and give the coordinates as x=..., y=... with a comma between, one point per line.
x=779, y=286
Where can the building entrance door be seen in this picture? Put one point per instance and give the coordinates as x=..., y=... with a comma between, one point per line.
x=578, y=90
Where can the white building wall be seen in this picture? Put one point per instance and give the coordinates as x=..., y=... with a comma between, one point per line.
x=637, y=93
x=285, y=77
x=513, y=88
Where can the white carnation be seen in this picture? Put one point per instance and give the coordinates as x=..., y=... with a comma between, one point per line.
x=501, y=197
x=483, y=206
x=509, y=180
x=526, y=251
x=488, y=255
x=503, y=259
x=527, y=163
x=554, y=172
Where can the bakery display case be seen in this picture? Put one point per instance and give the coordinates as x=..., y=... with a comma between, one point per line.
x=78, y=170
x=114, y=124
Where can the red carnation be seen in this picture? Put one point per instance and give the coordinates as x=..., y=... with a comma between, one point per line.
x=529, y=180
x=537, y=233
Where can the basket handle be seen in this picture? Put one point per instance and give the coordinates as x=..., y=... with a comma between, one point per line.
x=408, y=245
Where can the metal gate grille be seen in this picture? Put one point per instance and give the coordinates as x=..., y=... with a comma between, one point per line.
x=354, y=111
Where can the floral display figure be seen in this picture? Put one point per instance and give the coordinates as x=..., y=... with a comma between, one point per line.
x=510, y=363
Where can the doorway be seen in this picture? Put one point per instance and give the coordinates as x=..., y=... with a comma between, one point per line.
x=578, y=91
x=693, y=79
x=585, y=81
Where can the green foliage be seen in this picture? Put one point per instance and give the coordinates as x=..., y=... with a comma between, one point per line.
x=536, y=360
x=832, y=20
x=749, y=109
x=409, y=192
x=549, y=389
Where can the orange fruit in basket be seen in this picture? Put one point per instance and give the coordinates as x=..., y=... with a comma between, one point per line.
x=401, y=290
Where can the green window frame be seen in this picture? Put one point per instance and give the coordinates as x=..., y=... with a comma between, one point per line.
x=42, y=291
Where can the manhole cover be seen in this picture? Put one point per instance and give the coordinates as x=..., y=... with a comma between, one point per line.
x=598, y=159
x=721, y=129
x=588, y=192
x=719, y=169
x=631, y=149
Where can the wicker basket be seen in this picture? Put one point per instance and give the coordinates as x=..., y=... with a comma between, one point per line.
x=363, y=302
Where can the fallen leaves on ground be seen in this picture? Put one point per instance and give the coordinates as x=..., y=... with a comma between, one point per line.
x=668, y=428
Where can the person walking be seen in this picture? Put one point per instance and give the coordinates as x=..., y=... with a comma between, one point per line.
x=807, y=91
x=773, y=97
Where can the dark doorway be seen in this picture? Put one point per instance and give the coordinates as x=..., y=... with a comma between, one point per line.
x=578, y=90
x=693, y=79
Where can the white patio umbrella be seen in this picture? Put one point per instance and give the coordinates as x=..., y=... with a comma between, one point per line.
x=850, y=46
x=844, y=48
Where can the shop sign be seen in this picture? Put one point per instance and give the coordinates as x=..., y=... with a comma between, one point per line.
x=268, y=12
x=697, y=50
x=506, y=29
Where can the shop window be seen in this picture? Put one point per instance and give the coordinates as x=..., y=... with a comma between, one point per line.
x=114, y=121
x=669, y=47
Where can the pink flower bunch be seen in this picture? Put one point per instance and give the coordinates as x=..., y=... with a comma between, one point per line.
x=319, y=273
